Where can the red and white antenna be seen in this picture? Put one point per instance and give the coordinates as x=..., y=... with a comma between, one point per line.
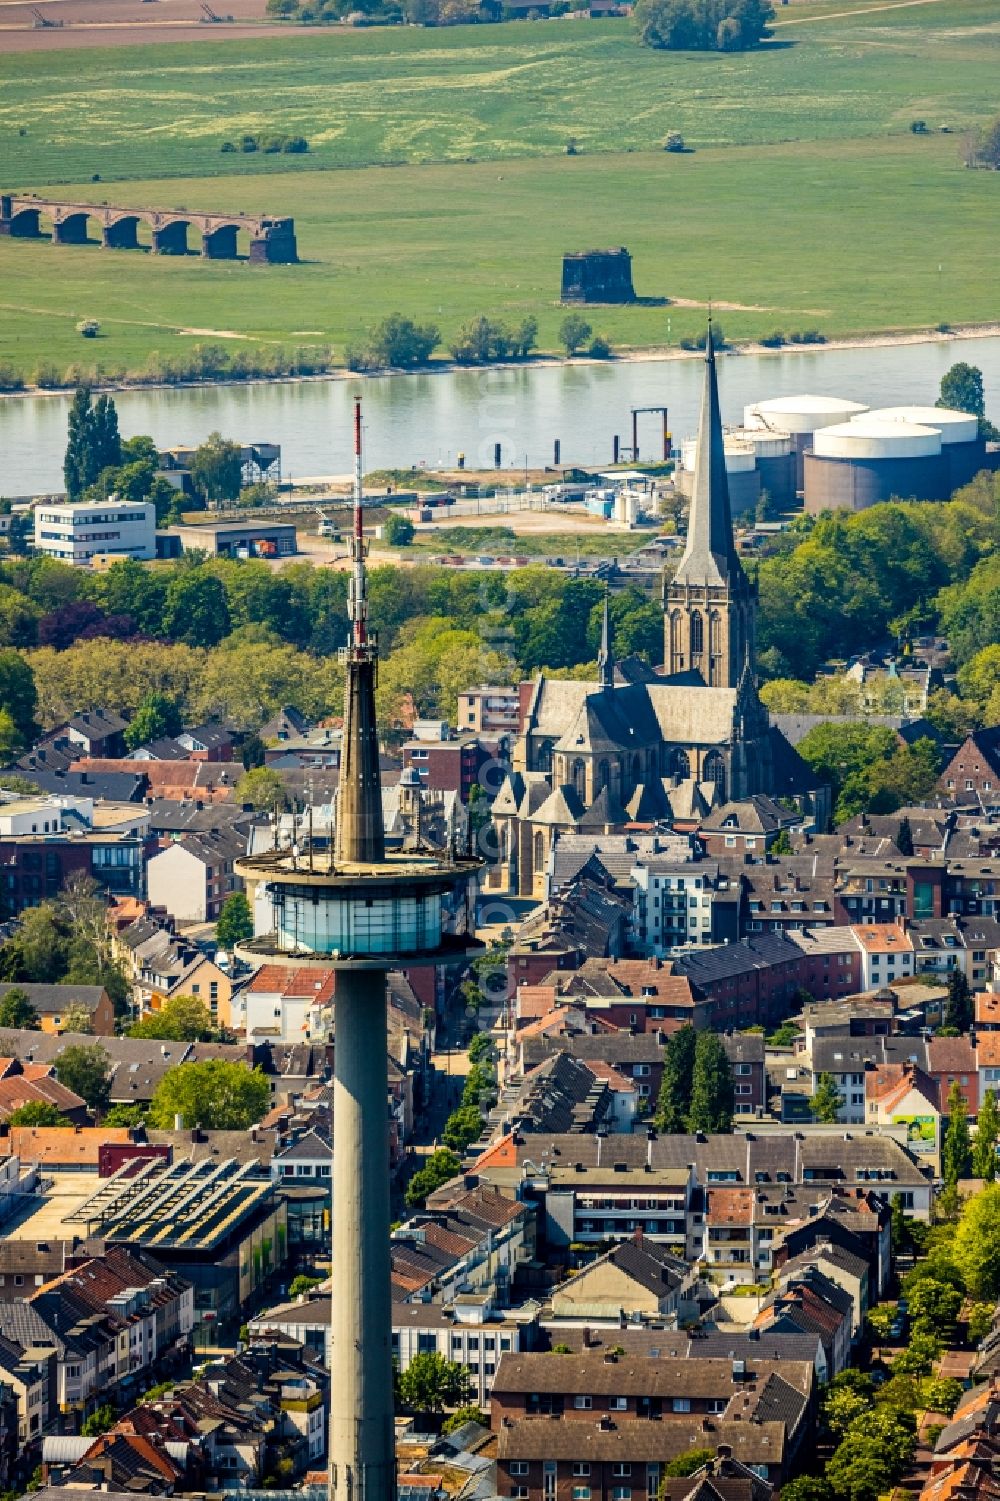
x=357, y=593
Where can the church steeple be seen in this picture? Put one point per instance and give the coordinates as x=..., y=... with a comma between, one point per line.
x=710, y=556
x=709, y=604
x=605, y=657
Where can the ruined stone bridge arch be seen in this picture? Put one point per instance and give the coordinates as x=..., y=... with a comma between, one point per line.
x=272, y=240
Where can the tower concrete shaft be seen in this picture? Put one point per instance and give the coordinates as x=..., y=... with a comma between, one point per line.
x=362, y=1443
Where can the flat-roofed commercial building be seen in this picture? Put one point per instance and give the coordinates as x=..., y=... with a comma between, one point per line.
x=78, y=533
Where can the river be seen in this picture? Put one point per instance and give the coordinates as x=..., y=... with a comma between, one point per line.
x=429, y=419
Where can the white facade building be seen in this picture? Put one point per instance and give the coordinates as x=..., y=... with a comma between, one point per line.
x=107, y=528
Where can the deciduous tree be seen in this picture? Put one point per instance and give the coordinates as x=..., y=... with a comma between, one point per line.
x=235, y=924
x=86, y=1069
x=215, y=1095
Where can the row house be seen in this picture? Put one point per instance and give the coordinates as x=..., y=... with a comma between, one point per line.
x=470, y=1239
x=30, y=1373
x=811, y=1302
x=588, y=1190
x=539, y=1459
x=679, y=904
x=932, y=1064
x=471, y=1332
x=584, y=1387
x=635, y=1057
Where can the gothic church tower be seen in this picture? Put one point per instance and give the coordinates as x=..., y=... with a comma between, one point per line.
x=710, y=604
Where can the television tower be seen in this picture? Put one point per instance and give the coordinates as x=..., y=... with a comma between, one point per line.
x=361, y=910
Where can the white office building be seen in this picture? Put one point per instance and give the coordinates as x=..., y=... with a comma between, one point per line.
x=106, y=528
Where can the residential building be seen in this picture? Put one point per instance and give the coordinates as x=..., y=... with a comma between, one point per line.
x=973, y=773
x=489, y=711
x=745, y=1051
x=749, y=826
x=681, y=904
x=52, y=1003
x=192, y=878
x=284, y=1003
x=635, y=1279
x=82, y=531
x=887, y=953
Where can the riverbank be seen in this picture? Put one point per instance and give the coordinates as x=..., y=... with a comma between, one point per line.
x=653, y=355
x=423, y=421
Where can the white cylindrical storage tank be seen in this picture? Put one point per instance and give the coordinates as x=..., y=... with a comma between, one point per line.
x=797, y=415
x=871, y=438
x=739, y=455
x=766, y=444
x=954, y=427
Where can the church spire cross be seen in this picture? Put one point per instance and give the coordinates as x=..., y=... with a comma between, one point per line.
x=710, y=556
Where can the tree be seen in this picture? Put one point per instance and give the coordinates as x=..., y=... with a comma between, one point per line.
x=919, y=1356
x=86, y=1069
x=840, y=1408
x=125, y=1115
x=214, y=1095
x=398, y=531
x=463, y=1415
x=984, y=1150
x=261, y=788
x=430, y=1383
x=959, y=1012
x=18, y=696
x=481, y=1048
x=711, y=1086
x=302, y=1284
x=574, y=332
x=156, y=716
x=77, y=1019
x=904, y=837
x=16, y=1010
x=703, y=25
x=439, y=1168
x=956, y=1151
x=182, y=1018
x=806, y=1488
x=100, y=1420
x=962, y=390
x=675, y=1088
x=979, y=1322
x=217, y=469
x=196, y=610
x=462, y=1127
x=827, y=1100
x=899, y=1226
x=687, y=1463
x=93, y=442
x=36, y=1113
x=934, y=1306
x=782, y=844
x=977, y=1243
x=235, y=924
x=395, y=343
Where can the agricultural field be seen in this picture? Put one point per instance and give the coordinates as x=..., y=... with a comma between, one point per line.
x=462, y=197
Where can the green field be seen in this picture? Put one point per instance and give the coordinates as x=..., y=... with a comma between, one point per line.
x=806, y=200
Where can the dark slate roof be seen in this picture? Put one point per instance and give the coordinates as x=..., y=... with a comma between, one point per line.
x=54, y=999
x=102, y=786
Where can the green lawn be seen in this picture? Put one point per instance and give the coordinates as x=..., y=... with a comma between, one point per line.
x=410, y=95
x=813, y=205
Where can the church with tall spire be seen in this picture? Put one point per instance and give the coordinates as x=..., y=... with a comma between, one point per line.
x=641, y=748
x=709, y=606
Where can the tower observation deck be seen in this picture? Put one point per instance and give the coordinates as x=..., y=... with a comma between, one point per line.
x=360, y=909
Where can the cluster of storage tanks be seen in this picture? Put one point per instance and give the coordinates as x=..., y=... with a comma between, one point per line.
x=840, y=455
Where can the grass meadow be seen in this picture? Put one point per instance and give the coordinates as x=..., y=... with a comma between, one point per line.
x=806, y=200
